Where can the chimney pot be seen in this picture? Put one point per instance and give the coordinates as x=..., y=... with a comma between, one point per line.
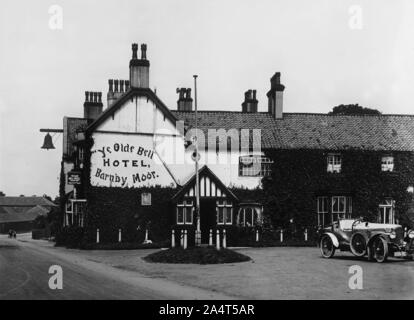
x=126, y=85
x=121, y=84
x=143, y=51
x=185, y=102
x=250, y=103
x=116, y=85
x=92, y=108
x=134, y=51
x=111, y=85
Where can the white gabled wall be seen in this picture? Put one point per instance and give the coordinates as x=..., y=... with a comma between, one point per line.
x=138, y=114
x=133, y=126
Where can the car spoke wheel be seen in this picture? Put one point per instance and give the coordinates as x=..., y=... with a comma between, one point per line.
x=358, y=245
x=380, y=249
x=327, y=247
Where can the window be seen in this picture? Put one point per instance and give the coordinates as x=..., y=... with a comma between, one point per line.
x=334, y=163
x=386, y=211
x=338, y=204
x=75, y=212
x=185, y=212
x=250, y=216
x=81, y=154
x=145, y=199
x=322, y=209
x=254, y=166
x=387, y=163
x=224, y=212
x=333, y=208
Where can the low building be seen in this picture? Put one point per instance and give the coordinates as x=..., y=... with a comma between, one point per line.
x=19, y=213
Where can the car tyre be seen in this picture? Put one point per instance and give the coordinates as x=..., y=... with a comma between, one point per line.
x=379, y=249
x=358, y=245
x=327, y=247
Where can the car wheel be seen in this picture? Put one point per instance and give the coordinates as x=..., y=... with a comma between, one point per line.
x=358, y=245
x=380, y=249
x=327, y=247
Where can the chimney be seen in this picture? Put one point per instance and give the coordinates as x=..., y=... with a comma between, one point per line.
x=250, y=102
x=185, y=102
x=110, y=97
x=92, y=107
x=116, y=89
x=139, y=68
x=275, y=97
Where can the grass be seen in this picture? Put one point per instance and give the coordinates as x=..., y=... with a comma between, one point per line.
x=197, y=255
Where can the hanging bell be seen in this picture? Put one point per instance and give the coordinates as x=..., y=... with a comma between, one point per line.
x=48, y=143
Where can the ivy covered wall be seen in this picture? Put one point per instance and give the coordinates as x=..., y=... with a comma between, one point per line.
x=111, y=209
x=299, y=176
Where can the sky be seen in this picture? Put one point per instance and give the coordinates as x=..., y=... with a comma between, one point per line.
x=328, y=52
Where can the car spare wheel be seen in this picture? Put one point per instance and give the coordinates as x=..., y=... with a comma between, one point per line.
x=378, y=249
x=327, y=247
x=358, y=245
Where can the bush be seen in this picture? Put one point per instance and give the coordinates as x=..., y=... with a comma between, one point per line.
x=198, y=255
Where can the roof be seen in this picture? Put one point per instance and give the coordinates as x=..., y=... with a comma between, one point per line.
x=145, y=92
x=25, y=201
x=204, y=171
x=314, y=131
x=10, y=214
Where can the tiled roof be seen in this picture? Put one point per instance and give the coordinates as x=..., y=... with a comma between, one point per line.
x=25, y=201
x=314, y=131
x=9, y=214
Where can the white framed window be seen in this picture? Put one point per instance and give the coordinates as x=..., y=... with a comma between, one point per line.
x=387, y=163
x=255, y=166
x=338, y=204
x=250, y=216
x=75, y=213
x=387, y=211
x=224, y=212
x=185, y=212
x=322, y=209
x=334, y=163
x=330, y=209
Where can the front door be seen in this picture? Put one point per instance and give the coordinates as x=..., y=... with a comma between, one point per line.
x=207, y=218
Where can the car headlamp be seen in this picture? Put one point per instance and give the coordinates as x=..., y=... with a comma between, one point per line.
x=411, y=234
x=393, y=234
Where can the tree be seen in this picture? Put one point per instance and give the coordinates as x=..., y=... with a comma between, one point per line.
x=353, y=109
x=2, y=194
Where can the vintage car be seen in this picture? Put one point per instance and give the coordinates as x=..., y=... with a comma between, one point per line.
x=375, y=240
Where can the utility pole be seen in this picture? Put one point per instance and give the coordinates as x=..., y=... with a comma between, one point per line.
x=197, y=187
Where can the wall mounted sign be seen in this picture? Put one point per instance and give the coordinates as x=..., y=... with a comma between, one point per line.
x=74, y=178
x=126, y=161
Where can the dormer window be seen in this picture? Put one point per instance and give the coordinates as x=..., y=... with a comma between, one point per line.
x=334, y=163
x=387, y=163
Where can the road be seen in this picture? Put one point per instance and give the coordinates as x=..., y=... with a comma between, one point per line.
x=24, y=275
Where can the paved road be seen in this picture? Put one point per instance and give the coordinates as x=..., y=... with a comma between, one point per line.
x=24, y=275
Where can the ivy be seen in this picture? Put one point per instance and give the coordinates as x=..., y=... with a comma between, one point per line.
x=298, y=176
